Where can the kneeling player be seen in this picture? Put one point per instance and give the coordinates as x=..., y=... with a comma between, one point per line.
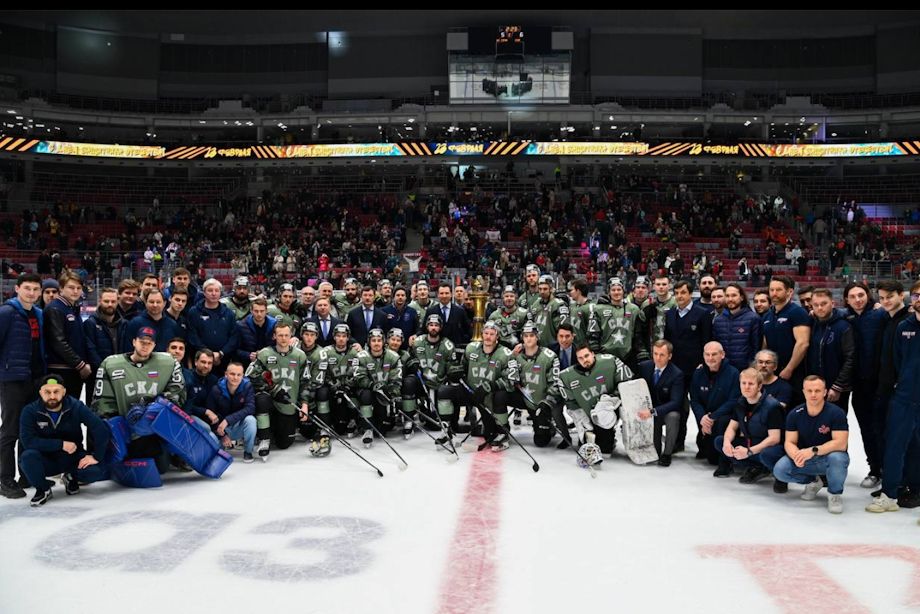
x=535, y=374
x=377, y=369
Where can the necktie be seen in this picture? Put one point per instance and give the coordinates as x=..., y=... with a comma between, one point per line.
x=368, y=318
x=444, y=313
x=325, y=328
x=565, y=359
x=657, y=376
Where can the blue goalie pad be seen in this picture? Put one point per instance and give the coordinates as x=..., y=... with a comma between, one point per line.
x=140, y=419
x=117, y=449
x=188, y=439
x=218, y=464
x=136, y=473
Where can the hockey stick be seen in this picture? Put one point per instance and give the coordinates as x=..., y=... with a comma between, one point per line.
x=383, y=397
x=344, y=442
x=472, y=423
x=505, y=430
x=427, y=393
x=533, y=406
x=370, y=423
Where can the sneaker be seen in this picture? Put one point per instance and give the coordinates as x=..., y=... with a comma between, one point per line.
x=664, y=460
x=11, y=490
x=226, y=443
x=367, y=438
x=320, y=447
x=754, y=473
x=875, y=493
x=723, y=471
x=41, y=497
x=780, y=487
x=71, y=486
x=247, y=457
x=835, y=504
x=263, y=449
x=870, y=481
x=408, y=429
x=500, y=442
x=23, y=482
x=811, y=490
x=909, y=499
x=882, y=504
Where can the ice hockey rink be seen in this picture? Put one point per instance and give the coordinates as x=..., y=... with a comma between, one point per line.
x=483, y=534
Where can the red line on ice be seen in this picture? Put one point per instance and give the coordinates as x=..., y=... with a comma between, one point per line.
x=469, y=583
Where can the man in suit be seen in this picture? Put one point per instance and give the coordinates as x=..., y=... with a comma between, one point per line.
x=325, y=322
x=564, y=347
x=666, y=385
x=688, y=327
x=457, y=326
x=365, y=317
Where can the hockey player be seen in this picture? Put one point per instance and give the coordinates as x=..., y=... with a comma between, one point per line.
x=581, y=309
x=317, y=392
x=534, y=372
x=485, y=368
x=239, y=302
x=657, y=308
x=620, y=326
x=583, y=386
x=421, y=303
x=285, y=310
x=137, y=378
x=377, y=368
x=531, y=293
x=342, y=360
x=411, y=387
x=435, y=356
x=277, y=374
x=510, y=318
x=348, y=301
x=548, y=312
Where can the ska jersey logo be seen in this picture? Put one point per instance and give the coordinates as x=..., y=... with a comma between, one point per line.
x=532, y=377
x=589, y=395
x=482, y=373
x=283, y=376
x=141, y=389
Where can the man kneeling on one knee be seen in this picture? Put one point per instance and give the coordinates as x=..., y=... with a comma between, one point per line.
x=816, y=446
x=754, y=434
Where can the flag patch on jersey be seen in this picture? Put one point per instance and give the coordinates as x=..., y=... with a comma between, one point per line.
x=600, y=379
x=492, y=363
x=536, y=368
x=153, y=374
x=386, y=367
x=292, y=363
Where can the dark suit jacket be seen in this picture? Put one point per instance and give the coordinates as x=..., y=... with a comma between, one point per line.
x=326, y=341
x=458, y=327
x=359, y=329
x=555, y=349
x=688, y=335
x=668, y=394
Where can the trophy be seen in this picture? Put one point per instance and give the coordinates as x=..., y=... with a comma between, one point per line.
x=479, y=296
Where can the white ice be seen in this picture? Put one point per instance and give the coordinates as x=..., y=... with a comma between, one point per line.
x=305, y=535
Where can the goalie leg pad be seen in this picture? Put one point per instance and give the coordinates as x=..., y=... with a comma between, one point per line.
x=136, y=473
x=117, y=449
x=189, y=440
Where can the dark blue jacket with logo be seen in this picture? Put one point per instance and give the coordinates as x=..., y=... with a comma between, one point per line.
x=214, y=329
x=740, y=335
x=907, y=362
x=714, y=394
x=832, y=351
x=46, y=431
x=16, y=341
x=253, y=338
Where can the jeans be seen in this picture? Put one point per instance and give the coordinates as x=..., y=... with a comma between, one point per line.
x=833, y=465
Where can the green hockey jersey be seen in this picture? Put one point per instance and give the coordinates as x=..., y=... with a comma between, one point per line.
x=121, y=383
x=547, y=316
x=581, y=389
x=509, y=324
x=538, y=375
x=289, y=372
